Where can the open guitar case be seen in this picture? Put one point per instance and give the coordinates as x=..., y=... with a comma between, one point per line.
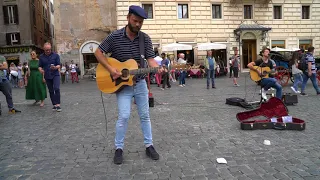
x=272, y=114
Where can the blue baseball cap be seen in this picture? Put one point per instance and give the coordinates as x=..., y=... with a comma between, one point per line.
x=139, y=11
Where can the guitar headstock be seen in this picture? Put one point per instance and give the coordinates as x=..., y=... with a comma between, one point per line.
x=179, y=66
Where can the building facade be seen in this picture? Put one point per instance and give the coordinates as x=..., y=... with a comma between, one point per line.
x=243, y=25
x=24, y=26
x=80, y=26
x=52, y=32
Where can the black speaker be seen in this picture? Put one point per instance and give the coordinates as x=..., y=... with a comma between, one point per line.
x=151, y=101
x=290, y=99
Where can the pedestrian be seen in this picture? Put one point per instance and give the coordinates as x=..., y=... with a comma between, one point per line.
x=5, y=86
x=49, y=64
x=210, y=65
x=123, y=44
x=36, y=87
x=236, y=68
x=310, y=72
x=297, y=73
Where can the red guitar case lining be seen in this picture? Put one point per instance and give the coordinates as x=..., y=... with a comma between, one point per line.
x=274, y=107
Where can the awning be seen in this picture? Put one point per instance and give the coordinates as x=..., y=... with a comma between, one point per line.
x=251, y=27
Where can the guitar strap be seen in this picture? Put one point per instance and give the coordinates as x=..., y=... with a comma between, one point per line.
x=142, y=49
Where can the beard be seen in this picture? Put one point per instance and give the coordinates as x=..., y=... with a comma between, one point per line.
x=133, y=29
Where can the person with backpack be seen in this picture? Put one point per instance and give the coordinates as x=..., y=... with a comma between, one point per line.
x=308, y=66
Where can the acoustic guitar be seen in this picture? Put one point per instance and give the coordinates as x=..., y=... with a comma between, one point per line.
x=129, y=70
x=265, y=72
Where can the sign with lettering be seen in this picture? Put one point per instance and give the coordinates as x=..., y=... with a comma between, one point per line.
x=12, y=58
x=10, y=50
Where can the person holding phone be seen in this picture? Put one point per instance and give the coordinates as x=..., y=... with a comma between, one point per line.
x=49, y=65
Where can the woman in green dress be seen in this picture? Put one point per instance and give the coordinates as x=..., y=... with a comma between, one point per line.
x=36, y=87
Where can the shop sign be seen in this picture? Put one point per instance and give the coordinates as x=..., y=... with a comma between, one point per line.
x=12, y=58
x=8, y=50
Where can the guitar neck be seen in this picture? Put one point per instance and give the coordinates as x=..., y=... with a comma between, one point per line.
x=144, y=70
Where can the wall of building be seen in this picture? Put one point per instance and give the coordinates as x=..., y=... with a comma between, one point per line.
x=24, y=22
x=19, y=52
x=200, y=27
x=80, y=21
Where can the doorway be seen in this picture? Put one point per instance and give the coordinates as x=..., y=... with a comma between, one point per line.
x=90, y=61
x=249, y=51
x=220, y=55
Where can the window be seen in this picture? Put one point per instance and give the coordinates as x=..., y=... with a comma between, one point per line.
x=216, y=11
x=46, y=27
x=34, y=17
x=247, y=10
x=35, y=38
x=149, y=10
x=13, y=38
x=305, y=12
x=277, y=12
x=10, y=14
x=51, y=8
x=183, y=11
x=278, y=43
x=305, y=43
x=45, y=12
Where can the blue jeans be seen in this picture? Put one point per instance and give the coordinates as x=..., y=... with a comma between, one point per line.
x=313, y=80
x=267, y=83
x=5, y=87
x=54, y=89
x=210, y=74
x=182, y=77
x=297, y=80
x=124, y=99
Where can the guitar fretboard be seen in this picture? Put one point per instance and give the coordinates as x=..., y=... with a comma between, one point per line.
x=144, y=70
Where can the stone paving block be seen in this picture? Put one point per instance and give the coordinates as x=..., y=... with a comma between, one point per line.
x=189, y=131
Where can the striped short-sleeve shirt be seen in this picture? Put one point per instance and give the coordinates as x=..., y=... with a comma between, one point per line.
x=310, y=58
x=122, y=48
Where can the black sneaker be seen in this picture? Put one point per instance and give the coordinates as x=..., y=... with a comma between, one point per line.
x=152, y=153
x=58, y=108
x=54, y=108
x=304, y=94
x=118, y=158
x=13, y=110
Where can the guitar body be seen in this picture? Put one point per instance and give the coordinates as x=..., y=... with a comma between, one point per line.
x=109, y=85
x=255, y=76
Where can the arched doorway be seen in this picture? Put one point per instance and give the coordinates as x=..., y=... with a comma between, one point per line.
x=249, y=48
x=87, y=58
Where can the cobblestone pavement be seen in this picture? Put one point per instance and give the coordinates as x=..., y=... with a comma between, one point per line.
x=192, y=126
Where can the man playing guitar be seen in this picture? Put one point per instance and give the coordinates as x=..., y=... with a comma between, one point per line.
x=266, y=83
x=124, y=45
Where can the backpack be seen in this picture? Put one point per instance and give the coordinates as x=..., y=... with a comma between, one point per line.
x=302, y=65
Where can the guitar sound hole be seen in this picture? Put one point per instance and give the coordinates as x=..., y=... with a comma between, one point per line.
x=125, y=73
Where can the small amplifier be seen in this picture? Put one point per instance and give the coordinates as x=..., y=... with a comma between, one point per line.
x=290, y=99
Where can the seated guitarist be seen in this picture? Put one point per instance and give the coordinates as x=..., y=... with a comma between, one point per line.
x=123, y=44
x=266, y=83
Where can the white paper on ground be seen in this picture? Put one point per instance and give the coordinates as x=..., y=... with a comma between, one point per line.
x=221, y=161
x=267, y=142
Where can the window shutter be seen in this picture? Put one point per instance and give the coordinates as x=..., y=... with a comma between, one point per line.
x=8, y=38
x=16, y=14
x=18, y=38
x=5, y=15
